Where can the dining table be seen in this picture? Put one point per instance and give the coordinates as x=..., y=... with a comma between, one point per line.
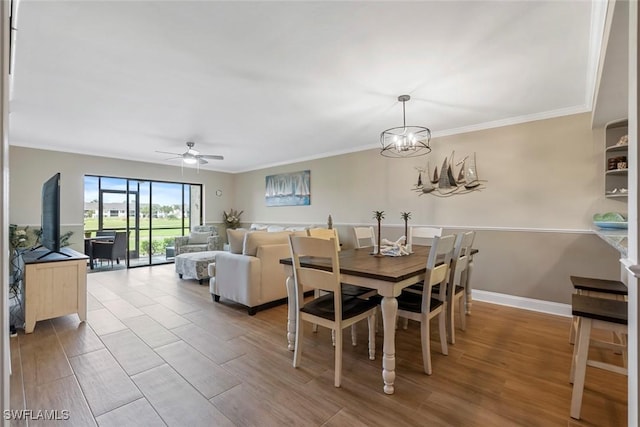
x=388, y=275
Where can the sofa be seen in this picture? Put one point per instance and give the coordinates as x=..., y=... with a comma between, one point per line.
x=202, y=238
x=250, y=273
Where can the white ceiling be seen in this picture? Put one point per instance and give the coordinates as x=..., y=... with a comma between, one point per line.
x=266, y=83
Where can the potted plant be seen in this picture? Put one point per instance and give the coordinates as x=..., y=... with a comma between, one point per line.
x=232, y=219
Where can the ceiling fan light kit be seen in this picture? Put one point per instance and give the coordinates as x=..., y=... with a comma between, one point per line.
x=192, y=156
x=405, y=141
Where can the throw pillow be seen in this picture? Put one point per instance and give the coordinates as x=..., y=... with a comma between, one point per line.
x=296, y=228
x=236, y=238
x=196, y=238
x=253, y=240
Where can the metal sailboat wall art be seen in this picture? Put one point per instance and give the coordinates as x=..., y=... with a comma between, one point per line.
x=448, y=183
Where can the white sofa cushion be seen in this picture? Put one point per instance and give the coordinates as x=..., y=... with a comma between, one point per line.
x=254, y=240
x=236, y=239
x=196, y=238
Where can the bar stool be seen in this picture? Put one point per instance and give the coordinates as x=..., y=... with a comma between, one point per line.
x=600, y=313
x=600, y=288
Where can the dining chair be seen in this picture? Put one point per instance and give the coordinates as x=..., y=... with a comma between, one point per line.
x=350, y=290
x=425, y=306
x=365, y=237
x=333, y=310
x=456, y=289
x=325, y=233
x=106, y=233
x=422, y=235
x=111, y=250
x=332, y=233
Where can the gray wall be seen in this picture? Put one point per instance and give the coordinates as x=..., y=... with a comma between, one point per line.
x=29, y=168
x=544, y=181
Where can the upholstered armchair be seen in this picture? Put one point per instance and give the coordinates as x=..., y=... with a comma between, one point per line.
x=201, y=238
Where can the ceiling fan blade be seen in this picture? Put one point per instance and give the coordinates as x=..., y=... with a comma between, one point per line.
x=168, y=152
x=202, y=161
x=211, y=156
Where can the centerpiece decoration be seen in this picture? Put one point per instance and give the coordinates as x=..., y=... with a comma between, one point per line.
x=378, y=216
x=232, y=219
x=406, y=216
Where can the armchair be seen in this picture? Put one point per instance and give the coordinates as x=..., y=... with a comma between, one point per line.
x=201, y=238
x=111, y=250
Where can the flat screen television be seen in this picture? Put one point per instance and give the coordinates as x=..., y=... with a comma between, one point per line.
x=50, y=216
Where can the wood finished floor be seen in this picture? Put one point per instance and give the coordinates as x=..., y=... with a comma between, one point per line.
x=157, y=351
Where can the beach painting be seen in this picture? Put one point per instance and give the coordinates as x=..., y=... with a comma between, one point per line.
x=288, y=189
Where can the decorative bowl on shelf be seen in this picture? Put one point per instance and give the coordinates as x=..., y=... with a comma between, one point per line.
x=610, y=220
x=611, y=224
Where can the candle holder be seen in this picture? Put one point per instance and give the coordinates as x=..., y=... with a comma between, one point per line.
x=406, y=216
x=379, y=216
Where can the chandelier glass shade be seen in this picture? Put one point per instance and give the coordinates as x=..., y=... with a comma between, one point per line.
x=405, y=141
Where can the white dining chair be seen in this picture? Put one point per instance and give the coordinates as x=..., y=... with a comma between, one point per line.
x=456, y=289
x=425, y=306
x=332, y=310
x=365, y=237
x=422, y=235
x=325, y=233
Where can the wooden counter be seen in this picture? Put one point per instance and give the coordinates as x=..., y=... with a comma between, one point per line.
x=55, y=285
x=614, y=237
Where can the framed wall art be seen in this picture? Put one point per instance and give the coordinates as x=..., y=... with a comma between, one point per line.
x=288, y=189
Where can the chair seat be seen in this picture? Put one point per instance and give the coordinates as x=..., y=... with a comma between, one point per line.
x=354, y=291
x=607, y=310
x=351, y=307
x=599, y=285
x=409, y=301
x=418, y=287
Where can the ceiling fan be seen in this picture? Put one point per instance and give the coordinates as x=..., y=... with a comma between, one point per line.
x=192, y=156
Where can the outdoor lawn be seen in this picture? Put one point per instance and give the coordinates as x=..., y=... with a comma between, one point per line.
x=163, y=233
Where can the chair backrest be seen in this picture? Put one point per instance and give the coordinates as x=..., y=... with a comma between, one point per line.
x=438, y=264
x=314, y=278
x=102, y=233
x=325, y=233
x=423, y=236
x=120, y=245
x=365, y=237
x=460, y=259
x=212, y=229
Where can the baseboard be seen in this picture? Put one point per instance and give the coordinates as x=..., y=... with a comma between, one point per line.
x=541, y=306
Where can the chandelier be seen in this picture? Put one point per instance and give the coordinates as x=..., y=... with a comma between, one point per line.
x=405, y=141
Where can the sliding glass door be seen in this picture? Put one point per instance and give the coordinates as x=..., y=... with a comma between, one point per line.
x=153, y=213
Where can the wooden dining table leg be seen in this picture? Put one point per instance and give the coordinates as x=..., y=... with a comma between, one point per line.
x=389, y=306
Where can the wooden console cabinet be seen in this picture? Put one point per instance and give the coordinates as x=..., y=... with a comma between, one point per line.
x=55, y=285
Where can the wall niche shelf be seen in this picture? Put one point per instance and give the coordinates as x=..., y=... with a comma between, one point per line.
x=615, y=177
